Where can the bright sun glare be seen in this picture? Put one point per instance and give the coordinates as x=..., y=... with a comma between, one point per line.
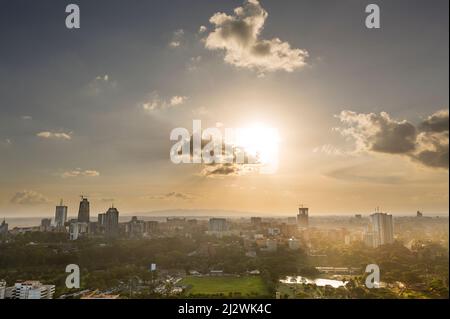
x=262, y=142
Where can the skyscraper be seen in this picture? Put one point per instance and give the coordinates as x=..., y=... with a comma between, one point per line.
x=382, y=229
x=112, y=222
x=60, y=215
x=303, y=217
x=83, y=212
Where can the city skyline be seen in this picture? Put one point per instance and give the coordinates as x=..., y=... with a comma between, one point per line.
x=362, y=115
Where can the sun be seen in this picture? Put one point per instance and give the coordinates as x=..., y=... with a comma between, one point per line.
x=261, y=142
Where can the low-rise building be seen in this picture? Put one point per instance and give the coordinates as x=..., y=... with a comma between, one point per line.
x=33, y=290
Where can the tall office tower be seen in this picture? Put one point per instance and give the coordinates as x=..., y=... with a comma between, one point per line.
x=83, y=212
x=218, y=225
x=60, y=215
x=112, y=222
x=303, y=217
x=382, y=228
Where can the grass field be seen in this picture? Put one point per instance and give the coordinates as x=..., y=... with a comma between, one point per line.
x=245, y=286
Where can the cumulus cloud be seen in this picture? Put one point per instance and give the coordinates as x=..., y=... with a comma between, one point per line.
x=432, y=149
x=156, y=103
x=378, y=132
x=29, y=197
x=55, y=135
x=437, y=122
x=79, y=172
x=239, y=36
x=426, y=143
x=176, y=38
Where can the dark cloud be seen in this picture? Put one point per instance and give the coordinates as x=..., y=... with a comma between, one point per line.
x=378, y=132
x=221, y=170
x=433, y=149
x=438, y=122
x=427, y=143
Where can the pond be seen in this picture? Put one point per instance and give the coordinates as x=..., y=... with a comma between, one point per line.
x=318, y=281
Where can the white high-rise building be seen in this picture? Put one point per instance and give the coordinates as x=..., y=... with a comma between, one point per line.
x=381, y=229
x=77, y=229
x=33, y=290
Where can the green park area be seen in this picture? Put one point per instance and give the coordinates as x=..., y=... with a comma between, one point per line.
x=247, y=286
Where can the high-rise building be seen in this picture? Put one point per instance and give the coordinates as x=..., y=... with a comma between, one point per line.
x=33, y=290
x=60, y=215
x=112, y=222
x=380, y=230
x=303, y=217
x=218, y=225
x=83, y=211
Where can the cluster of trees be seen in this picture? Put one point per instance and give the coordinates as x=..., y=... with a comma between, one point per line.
x=44, y=256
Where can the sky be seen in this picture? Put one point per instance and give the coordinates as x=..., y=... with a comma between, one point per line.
x=361, y=114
